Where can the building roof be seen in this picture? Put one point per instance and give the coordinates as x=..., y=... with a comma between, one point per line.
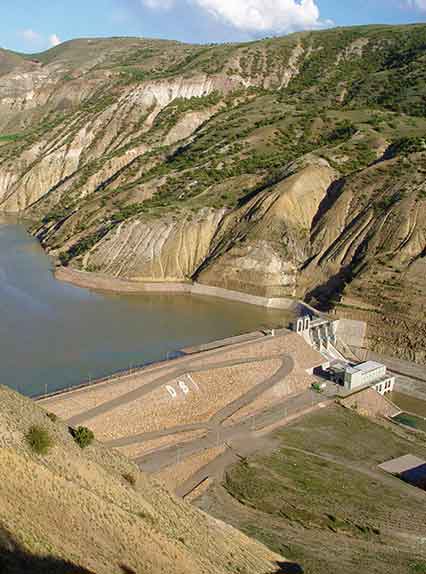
x=402, y=464
x=367, y=367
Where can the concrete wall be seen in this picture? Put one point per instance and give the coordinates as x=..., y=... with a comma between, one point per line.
x=386, y=386
x=352, y=333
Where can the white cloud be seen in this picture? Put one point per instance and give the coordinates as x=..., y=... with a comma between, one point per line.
x=265, y=15
x=257, y=16
x=35, y=40
x=54, y=40
x=30, y=36
x=419, y=4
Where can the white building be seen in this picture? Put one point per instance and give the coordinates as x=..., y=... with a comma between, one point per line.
x=368, y=374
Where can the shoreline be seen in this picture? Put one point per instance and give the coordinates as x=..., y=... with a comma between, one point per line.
x=100, y=282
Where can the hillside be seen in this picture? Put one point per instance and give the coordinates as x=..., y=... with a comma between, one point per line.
x=91, y=511
x=320, y=489
x=285, y=167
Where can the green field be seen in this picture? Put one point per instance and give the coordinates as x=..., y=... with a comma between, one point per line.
x=413, y=421
x=321, y=501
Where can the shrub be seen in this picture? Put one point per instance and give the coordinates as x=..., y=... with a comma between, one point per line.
x=130, y=478
x=408, y=145
x=52, y=417
x=82, y=436
x=39, y=439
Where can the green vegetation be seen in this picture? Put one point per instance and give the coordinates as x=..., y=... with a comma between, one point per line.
x=6, y=138
x=405, y=146
x=84, y=245
x=170, y=115
x=39, y=440
x=319, y=489
x=52, y=416
x=83, y=436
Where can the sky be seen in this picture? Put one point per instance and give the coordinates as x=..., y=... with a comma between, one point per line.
x=33, y=26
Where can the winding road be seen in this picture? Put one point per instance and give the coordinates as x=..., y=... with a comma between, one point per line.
x=240, y=437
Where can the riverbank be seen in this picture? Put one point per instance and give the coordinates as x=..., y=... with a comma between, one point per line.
x=117, y=285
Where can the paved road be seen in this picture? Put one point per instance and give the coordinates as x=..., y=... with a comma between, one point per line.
x=251, y=441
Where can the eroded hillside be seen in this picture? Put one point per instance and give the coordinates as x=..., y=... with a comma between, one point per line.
x=286, y=167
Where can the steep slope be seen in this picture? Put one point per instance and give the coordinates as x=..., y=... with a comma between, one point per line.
x=94, y=511
x=242, y=165
x=368, y=252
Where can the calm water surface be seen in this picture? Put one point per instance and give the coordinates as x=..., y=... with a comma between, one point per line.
x=54, y=335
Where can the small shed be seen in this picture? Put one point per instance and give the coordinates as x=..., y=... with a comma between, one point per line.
x=409, y=468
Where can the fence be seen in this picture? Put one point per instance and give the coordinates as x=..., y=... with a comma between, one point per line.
x=118, y=375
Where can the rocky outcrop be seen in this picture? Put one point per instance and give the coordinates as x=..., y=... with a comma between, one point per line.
x=270, y=238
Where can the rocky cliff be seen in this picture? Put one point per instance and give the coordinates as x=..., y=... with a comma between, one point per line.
x=286, y=167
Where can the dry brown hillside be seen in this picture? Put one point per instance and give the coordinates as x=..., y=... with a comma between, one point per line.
x=74, y=511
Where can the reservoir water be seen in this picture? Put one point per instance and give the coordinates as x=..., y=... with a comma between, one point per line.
x=54, y=335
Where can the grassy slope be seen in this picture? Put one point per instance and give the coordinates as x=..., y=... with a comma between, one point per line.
x=270, y=128
x=314, y=500
x=94, y=509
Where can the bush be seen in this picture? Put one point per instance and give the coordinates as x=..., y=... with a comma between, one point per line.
x=83, y=436
x=130, y=478
x=52, y=417
x=39, y=439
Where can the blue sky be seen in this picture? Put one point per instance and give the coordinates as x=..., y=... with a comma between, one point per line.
x=31, y=26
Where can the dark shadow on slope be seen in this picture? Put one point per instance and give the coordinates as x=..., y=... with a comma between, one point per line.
x=327, y=294
x=333, y=193
x=15, y=560
x=289, y=568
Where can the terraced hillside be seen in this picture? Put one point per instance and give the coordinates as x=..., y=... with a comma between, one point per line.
x=290, y=166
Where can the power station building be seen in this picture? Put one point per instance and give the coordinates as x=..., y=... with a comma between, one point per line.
x=320, y=332
x=368, y=374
